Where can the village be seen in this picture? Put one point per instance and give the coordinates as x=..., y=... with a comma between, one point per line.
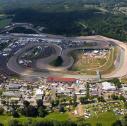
x=83, y=98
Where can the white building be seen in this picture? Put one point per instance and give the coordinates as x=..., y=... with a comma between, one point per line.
x=107, y=86
x=39, y=93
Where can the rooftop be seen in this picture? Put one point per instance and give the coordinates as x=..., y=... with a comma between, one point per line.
x=60, y=79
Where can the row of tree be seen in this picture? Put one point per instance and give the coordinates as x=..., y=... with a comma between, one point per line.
x=57, y=123
x=29, y=110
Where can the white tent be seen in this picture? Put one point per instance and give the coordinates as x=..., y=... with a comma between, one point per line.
x=107, y=86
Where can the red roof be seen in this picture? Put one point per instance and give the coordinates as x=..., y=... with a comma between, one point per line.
x=60, y=79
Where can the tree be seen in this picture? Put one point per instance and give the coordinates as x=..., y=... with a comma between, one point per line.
x=55, y=103
x=42, y=112
x=84, y=100
x=29, y=111
x=58, y=61
x=125, y=121
x=86, y=124
x=75, y=100
x=1, y=124
x=3, y=102
x=98, y=124
x=122, y=98
x=14, y=123
x=125, y=104
x=1, y=92
x=117, y=123
x=117, y=82
x=87, y=90
x=53, y=123
x=26, y=103
x=114, y=97
x=61, y=108
x=101, y=99
x=29, y=122
x=1, y=110
x=15, y=113
x=39, y=103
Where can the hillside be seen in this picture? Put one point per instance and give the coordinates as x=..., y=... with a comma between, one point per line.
x=59, y=4
x=70, y=17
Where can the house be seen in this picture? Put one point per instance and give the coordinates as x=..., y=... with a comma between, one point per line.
x=11, y=94
x=13, y=86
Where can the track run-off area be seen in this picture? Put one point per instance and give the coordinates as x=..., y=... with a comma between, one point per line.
x=44, y=69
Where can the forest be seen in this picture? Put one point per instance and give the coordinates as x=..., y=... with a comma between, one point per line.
x=68, y=17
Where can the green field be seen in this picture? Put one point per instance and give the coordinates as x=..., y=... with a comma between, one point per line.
x=53, y=116
x=106, y=119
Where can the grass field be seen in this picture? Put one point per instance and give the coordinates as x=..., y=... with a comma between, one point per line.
x=89, y=65
x=106, y=119
x=87, y=62
x=109, y=66
x=53, y=116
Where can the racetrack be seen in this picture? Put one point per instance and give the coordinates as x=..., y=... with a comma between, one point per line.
x=43, y=68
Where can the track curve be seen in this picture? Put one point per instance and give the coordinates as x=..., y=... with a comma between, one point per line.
x=47, y=70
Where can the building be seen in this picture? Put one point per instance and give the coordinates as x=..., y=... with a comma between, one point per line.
x=13, y=86
x=60, y=79
x=11, y=94
x=39, y=94
x=107, y=86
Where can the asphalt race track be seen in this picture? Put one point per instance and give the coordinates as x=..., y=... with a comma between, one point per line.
x=43, y=69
